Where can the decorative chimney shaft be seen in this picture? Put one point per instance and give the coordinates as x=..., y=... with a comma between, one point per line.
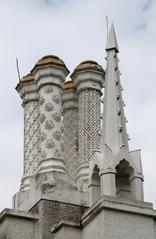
x=50, y=73
x=28, y=91
x=70, y=123
x=89, y=79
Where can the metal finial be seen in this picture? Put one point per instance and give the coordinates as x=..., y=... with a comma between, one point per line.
x=18, y=72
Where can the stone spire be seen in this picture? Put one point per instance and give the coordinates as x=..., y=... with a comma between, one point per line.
x=114, y=133
x=111, y=41
x=115, y=171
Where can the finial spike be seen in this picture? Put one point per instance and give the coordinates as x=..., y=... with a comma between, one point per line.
x=111, y=41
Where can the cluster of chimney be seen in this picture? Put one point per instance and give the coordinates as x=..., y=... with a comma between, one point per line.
x=62, y=119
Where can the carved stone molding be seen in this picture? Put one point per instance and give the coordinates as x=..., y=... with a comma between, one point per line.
x=57, y=117
x=43, y=154
x=42, y=118
x=50, y=144
x=56, y=99
x=57, y=135
x=57, y=153
x=43, y=136
x=49, y=107
x=49, y=124
x=48, y=89
x=42, y=100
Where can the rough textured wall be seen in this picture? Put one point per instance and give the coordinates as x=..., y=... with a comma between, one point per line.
x=118, y=225
x=17, y=228
x=51, y=212
x=155, y=229
x=68, y=232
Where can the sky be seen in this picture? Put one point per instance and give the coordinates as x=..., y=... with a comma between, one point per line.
x=75, y=30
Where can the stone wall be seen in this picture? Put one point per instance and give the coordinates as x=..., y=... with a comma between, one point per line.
x=119, y=225
x=51, y=212
x=18, y=225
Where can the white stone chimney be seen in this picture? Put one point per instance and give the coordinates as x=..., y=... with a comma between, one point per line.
x=28, y=92
x=50, y=73
x=89, y=79
x=70, y=123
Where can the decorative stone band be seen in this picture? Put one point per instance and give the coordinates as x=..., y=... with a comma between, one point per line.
x=88, y=75
x=27, y=89
x=50, y=70
x=51, y=164
x=69, y=96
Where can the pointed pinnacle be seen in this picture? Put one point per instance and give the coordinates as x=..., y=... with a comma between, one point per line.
x=111, y=41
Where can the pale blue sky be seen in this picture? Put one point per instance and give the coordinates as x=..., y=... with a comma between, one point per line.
x=75, y=30
x=55, y=2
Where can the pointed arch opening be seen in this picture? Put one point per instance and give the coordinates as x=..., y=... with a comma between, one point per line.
x=95, y=185
x=123, y=184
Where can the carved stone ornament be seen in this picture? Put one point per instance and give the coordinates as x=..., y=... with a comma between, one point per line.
x=42, y=118
x=49, y=107
x=49, y=124
x=62, y=128
x=42, y=100
x=57, y=117
x=50, y=144
x=57, y=135
x=43, y=154
x=48, y=89
x=56, y=99
x=62, y=146
x=57, y=153
x=43, y=136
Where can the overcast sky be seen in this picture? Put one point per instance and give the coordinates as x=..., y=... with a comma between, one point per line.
x=75, y=30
